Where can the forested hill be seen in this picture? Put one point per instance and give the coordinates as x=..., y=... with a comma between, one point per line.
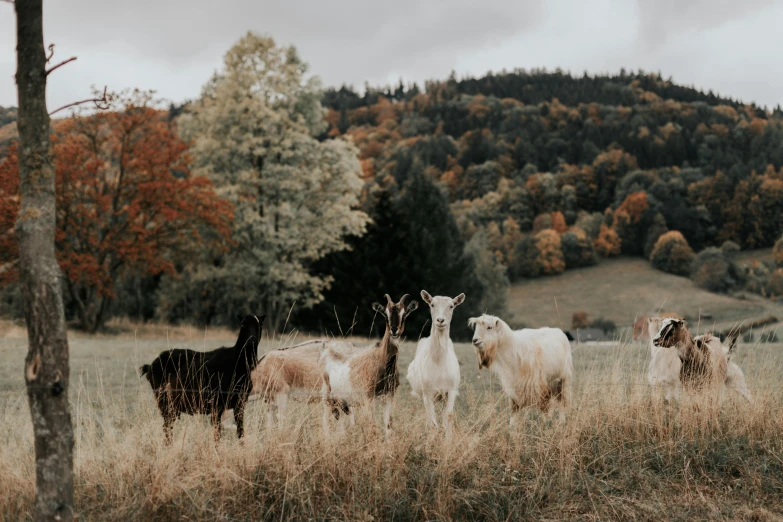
x=7, y=115
x=471, y=184
x=526, y=145
x=7, y=129
x=539, y=86
x=546, y=172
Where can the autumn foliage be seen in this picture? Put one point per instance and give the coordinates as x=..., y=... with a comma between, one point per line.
x=126, y=203
x=672, y=254
x=550, y=256
x=579, y=320
x=608, y=242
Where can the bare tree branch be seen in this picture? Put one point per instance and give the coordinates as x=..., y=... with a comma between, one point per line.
x=102, y=103
x=51, y=52
x=48, y=71
x=8, y=266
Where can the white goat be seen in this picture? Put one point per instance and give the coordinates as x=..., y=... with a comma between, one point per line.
x=534, y=365
x=735, y=378
x=434, y=371
x=663, y=373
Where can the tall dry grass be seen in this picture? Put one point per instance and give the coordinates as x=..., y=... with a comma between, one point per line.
x=618, y=455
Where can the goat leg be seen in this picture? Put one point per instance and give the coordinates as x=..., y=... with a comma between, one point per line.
x=217, y=413
x=239, y=418
x=168, y=422
x=387, y=415
x=448, y=413
x=429, y=409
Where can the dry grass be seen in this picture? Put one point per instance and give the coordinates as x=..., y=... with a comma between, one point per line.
x=616, y=456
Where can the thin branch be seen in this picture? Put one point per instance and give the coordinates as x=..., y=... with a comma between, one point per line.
x=48, y=71
x=8, y=266
x=102, y=103
x=51, y=53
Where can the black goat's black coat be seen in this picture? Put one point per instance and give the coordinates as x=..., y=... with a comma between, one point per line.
x=187, y=381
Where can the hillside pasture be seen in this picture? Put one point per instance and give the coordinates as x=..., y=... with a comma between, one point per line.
x=550, y=301
x=618, y=455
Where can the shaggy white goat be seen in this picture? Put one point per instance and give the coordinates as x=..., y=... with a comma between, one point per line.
x=534, y=365
x=434, y=371
x=735, y=378
x=663, y=373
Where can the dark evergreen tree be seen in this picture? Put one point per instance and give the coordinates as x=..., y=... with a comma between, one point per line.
x=412, y=244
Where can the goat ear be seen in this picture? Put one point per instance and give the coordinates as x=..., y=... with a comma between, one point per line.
x=426, y=296
x=261, y=319
x=378, y=307
x=412, y=306
x=458, y=300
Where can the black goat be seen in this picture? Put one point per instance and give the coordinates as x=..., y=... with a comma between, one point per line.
x=187, y=381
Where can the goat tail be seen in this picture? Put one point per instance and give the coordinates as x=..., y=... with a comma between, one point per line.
x=145, y=369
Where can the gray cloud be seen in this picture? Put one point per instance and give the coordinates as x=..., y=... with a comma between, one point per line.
x=660, y=19
x=173, y=46
x=345, y=41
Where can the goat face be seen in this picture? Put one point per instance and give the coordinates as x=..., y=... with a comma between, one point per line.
x=250, y=335
x=442, y=308
x=653, y=326
x=670, y=333
x=486, y=333
x=395, y=314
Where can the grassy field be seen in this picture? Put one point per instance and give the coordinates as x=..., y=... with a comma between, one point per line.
x=550, y=301
x=617, y=455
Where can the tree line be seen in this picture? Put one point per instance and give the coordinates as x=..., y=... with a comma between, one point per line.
x=271, y=193
x=554, y=172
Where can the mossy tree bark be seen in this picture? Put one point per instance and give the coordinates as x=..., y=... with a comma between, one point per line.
x=46, y=366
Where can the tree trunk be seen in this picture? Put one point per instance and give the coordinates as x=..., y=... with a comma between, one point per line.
x=46, y=366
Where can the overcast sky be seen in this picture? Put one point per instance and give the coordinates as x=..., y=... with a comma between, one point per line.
x=732, y=47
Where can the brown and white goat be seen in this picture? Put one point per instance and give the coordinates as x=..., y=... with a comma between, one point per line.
x=663, y=372
x=353, y=375
x=704, y=363
x=704, y=360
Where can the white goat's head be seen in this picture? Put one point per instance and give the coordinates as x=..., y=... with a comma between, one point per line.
x=442, y=308
x=487, y=330
x=653, y=326
x=395, y=314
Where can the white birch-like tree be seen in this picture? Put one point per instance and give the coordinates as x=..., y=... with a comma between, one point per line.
x=254, y=133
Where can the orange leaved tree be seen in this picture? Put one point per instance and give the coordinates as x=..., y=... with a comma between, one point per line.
x=127, y=203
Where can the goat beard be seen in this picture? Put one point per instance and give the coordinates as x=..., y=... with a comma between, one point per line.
x=486, y=355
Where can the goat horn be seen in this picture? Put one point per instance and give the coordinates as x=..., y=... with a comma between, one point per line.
x=402, y=299
x=388, y=299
